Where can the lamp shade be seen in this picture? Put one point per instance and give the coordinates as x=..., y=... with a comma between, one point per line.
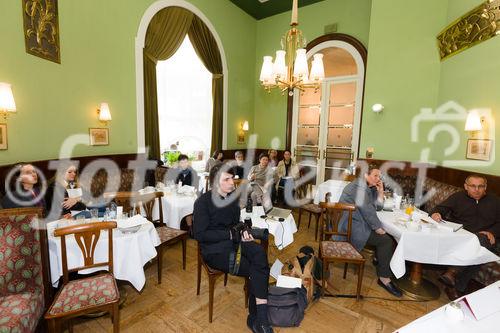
x=7, y=103
x=104, y=113
x=279, y=66
x=245, y=125
x=317, y=68
x=473, y=122
x=300, y=69
x=266, y=73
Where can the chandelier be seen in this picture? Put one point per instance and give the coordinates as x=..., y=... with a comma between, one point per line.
x=290, y=69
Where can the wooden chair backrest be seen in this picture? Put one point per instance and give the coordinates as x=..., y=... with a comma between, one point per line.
x=330, y=219
x=147, y=201
x=39, y=226
x=86, y=236
x=123, y=199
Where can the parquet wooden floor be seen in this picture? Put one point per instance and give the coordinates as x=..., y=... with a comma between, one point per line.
x=174, y=307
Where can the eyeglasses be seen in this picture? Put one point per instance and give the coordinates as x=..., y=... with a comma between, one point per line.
x=477, y=187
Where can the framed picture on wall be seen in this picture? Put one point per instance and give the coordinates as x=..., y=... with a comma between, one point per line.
x=3, y=136
x=99, y=136
x=478, y=149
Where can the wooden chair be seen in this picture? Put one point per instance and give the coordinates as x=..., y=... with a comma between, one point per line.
x=212, y=275
x=313, y=210
x=23, y=240
x=147, y=201
x=90, y=294
x=123, y=199
x=338, y=251
x=168, y=236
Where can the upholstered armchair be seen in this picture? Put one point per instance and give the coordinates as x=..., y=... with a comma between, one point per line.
x=24, y=281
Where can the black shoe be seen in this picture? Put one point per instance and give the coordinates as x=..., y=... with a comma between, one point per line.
x=250, y=320
x=391, y=288
x=257, y=327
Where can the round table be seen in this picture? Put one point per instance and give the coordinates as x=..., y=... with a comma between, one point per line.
x=432, y=245
x=130, y=252
x=335, y=187
x=282, y=231
x=175, y=207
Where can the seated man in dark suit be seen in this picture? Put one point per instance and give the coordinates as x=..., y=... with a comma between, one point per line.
x=479, y=212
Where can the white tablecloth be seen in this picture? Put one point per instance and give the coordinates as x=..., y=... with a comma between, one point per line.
x=282, y=231
x=175, y=207
x=434, y=246
x=438, y=321
x=130, y=253
x=335, y=187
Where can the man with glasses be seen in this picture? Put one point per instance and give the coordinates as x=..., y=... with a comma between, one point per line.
x=479, y=212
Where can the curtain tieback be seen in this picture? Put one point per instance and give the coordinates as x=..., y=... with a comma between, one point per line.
x=149, y=56
x=217, y=76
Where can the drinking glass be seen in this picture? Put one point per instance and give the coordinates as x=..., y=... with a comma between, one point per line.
x=94, y=214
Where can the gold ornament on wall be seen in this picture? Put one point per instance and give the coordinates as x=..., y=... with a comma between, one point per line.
x=478, y=25
x=41, y=29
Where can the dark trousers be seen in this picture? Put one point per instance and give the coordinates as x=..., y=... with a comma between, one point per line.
x=466, y=273
x=253, y=264
x=384, y=250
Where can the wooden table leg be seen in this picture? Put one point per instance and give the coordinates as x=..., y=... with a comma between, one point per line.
x=416, y=287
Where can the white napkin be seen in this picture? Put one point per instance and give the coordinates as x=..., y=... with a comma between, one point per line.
x=131, y=221
x=186, y=189
x=147, y=189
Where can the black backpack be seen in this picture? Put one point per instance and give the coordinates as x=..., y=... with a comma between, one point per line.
x=286, y=306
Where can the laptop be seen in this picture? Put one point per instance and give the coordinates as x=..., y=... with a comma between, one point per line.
x=276, y=213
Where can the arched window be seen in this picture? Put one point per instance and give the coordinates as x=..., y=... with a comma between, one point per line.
x=185, y=105
x=162, y=30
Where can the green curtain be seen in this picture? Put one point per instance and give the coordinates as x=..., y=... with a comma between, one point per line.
x=164, y=36
x=206, y=48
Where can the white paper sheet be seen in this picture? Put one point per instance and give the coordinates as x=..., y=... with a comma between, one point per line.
x=484, y=302
x=288, y=282
x=276, y=269
x=74, y=192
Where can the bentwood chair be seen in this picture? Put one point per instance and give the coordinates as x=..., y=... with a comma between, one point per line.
x=313, y=210
x=90, y=294
x=168, y=236
x=212, y=275
x=331, y=251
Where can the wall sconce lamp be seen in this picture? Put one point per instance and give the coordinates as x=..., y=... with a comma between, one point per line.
x=473, y=122
x=241, y=133
x=104, y=113
x=377, y=108
x=7, y=103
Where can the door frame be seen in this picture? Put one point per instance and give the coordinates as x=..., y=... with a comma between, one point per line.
x=358, y=52
x=361, y=49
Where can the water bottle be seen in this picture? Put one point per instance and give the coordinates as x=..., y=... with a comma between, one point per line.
x=249, y=205
x=107, y=214
x=112, y=210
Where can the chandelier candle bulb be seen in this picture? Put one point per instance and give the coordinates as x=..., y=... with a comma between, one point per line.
x=266, y=73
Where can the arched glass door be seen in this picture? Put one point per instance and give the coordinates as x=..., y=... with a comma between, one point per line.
x=326, y=123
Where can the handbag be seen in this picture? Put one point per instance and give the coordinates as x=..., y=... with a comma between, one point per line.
x=286, y=306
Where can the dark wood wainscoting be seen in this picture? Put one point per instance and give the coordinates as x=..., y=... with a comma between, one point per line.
x=121, y=160
x=446, y=175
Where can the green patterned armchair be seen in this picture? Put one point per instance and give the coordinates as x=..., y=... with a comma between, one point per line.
x=24, y=282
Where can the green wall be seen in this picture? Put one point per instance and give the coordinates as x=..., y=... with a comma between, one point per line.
x=352, y=17
x=471, y=79
x=402, y=74
x=98, y=64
